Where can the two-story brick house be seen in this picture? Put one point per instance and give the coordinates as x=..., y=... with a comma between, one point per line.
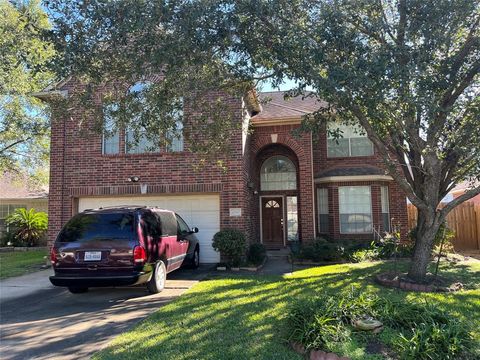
x=277, y=188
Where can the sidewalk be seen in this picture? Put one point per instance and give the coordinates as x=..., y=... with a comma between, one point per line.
x=20, y=286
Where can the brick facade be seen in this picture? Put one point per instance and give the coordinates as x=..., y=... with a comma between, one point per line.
x=79, y=169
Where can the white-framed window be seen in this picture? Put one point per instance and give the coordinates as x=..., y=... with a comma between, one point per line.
x=322, y=209
x=292, y=218
x=174, y=141
x=354, y=142
x=278, y=173
x=5, y=210
x=111, y=135
x=355, y=208
x=385, y=205
x=141, y=142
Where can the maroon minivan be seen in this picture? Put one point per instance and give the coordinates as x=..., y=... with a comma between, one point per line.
x=125, y=245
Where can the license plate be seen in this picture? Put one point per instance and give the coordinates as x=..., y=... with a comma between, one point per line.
x=93, y=256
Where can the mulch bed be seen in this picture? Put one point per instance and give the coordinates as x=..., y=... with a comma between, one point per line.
x=433, y=284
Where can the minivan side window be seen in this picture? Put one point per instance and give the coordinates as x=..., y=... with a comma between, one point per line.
x=182, y=226
x=168, y=223
x=152, y=224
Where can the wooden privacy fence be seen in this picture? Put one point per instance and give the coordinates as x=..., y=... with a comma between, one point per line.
x=464, y=220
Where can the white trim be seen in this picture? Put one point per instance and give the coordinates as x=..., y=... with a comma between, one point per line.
x=347, y=178
x=45, y=95
x=283, y=216
x=313, y=187
x=270, y=122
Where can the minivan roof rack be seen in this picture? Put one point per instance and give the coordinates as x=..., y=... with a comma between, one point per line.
x=118, y=207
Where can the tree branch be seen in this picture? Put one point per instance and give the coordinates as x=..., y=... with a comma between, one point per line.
x=392, y=167
x=13, y=144
x=462, y=198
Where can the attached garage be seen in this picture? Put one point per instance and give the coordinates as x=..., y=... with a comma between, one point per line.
x=202, y=211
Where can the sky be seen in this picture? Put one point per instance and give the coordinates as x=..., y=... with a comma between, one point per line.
x=287, y=85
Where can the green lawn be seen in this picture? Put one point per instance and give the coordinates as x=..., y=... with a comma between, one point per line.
x=242, y=317
x=20, y=262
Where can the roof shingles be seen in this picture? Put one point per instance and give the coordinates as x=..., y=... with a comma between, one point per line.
x=12, y=187
x=276, y=107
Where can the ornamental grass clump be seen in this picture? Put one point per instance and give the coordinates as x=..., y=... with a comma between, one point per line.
x=423, y=332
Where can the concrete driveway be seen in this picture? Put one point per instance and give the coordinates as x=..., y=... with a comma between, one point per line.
x=40, y=321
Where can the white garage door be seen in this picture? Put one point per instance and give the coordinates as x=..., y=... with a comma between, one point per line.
x=202, y=211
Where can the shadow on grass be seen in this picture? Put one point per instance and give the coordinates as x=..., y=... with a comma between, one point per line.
x=241, y=317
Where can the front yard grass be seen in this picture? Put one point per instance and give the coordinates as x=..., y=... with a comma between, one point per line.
x=20, y=262
x=243, y=317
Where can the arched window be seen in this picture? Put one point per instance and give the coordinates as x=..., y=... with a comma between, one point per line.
x=278, y=173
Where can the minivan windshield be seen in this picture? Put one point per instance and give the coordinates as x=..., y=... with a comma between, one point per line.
x=85, y=227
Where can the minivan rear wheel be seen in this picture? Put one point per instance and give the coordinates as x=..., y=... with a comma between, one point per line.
x=77, y=289
x=157, y=282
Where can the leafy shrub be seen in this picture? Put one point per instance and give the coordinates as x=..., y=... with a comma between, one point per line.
x=8, y=239
x=428, y=332
x=434, y=340
x=256, y=253
x=425, y=332
x=314, y=324
x=322, y=250
x=364, y=255
x=29, y=225
x=231, y=244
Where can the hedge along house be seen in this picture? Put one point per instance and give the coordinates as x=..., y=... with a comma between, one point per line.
x=278, y=187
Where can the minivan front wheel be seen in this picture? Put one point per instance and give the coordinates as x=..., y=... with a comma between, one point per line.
x=196, y=258
x=157, y=282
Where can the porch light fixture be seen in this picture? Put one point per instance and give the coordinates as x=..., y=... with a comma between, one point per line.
x=133, y=179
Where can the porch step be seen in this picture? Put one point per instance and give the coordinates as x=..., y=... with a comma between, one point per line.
x=281, y=253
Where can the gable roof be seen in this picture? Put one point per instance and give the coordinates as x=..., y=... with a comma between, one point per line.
x=276, y=107
x=14, y=187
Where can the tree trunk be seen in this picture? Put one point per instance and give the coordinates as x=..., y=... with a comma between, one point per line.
x=427, y=228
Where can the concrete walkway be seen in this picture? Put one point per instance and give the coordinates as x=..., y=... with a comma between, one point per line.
x=277, y=264
x=40, y=321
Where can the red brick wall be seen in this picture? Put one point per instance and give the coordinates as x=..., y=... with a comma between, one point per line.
x=302, y=148
x=78, y=168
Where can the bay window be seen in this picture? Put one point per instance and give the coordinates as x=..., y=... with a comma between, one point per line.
x=322, y=210
x=355, y=207
x=385, y=208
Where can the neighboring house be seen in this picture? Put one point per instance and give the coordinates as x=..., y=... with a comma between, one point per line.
x=461, y=188
x=16, y=193
x=278, y=187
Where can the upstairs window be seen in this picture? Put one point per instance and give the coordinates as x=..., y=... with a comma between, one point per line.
x=278, y=173
x=354, y=142
x=111, y=135
x=142, y=143
x=139, y=141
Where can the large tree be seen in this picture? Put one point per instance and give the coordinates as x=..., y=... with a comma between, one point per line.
x=24, y=56
x=406, y=70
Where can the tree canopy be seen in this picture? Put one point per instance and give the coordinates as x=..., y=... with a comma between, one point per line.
x=24, y=57
x=406, y=70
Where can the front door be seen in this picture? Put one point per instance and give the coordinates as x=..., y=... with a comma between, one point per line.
x=272, y=222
